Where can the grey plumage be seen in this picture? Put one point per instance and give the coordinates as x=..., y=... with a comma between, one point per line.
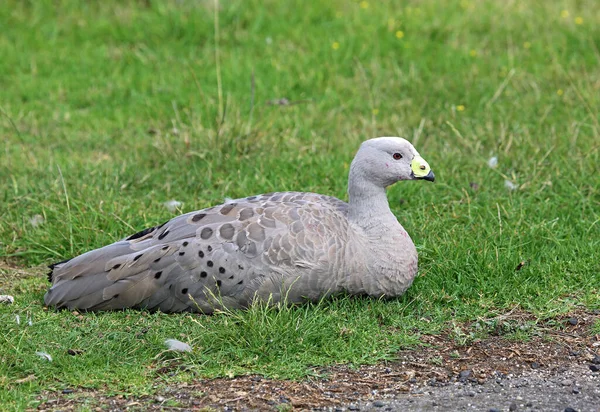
x=288, y=245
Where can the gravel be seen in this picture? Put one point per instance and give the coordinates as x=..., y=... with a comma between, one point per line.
x=572, y=388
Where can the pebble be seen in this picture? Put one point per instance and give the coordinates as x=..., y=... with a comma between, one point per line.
x=594, y=368
x=466, y=374
x=596, y=360
x=378, y=404
x=573, y=321
x=494, y=410
x=66, y=391
x=569, y=409
x=353, y=408
x=512, y=407
x=575, y=391
x=566, y=382
x=535, y=365
x=159, y=399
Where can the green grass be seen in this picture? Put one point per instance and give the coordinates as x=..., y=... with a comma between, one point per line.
x=109, y=109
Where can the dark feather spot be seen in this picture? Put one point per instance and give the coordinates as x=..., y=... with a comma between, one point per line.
x=227, y=231
x=221, y=269
x=144, y=232
x=116, y=296
x=138, y=256
x=165, y=247
x=218, y=283
x=246, y=214
x=198, y=217
x=228, y=208
x=209, y=248
x=251, y=198
x=203, y=274
x=117, y=266
x=184, y=291
x=240, y=267
x=163, y=234
x=240, y=282
x=206, y=233
x=157, y=275
x=181, y=253
x=210, y=263
x=201, y=254
x=185, y=244
x=156, y=260
x=231, y=277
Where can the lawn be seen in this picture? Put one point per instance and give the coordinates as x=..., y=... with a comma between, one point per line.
x=110, y=109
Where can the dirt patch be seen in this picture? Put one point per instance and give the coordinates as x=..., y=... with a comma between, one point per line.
x=446, y=359
x=11, y=272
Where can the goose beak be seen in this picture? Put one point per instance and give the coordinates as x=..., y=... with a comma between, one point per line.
x=421, y=170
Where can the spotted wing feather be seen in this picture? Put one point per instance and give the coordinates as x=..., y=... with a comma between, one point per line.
x=268, y=247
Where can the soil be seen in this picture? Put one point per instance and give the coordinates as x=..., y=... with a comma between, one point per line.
x=557, y=369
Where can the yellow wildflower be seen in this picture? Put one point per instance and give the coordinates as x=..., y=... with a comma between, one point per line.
x=564, y=14
x=473, y=53
x=364, y=4
x=375, y=112
x=335, y=45
x=399, y=34
x=464, y=4
x=578, y=20
x=559, y=92
x=460, y=108
x=527, y=45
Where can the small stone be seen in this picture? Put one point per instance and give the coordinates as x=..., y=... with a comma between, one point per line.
x=512, y=407
x=535, y=365
x=378, y=404
x=575, y=391
x=471, y=394
x=159, y=399
x=574, y=353
x=494, y=410
x=596, y=360
x=573, y=321
x=596, y=311
x=353, y=408
x=569, y=409
x=594, y=368
x=67, y=391
x=465, y=374
x=566, y=382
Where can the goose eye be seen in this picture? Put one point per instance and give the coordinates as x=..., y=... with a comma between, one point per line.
x=397, y=156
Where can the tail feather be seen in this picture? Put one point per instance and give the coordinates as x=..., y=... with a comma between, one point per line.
x=53, y=266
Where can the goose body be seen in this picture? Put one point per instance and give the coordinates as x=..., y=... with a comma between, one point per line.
x=270, y=247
